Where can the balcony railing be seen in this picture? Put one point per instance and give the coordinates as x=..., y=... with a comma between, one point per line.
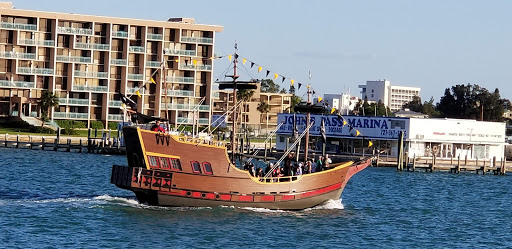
x=185, y=107
x=96, y=46
x=83, y=74
x=118, y=62
x=63, y=58
x=115, y=103
x=179, y=79
x=17, y=84
x=122, y=34
x=180, y=93
x=48, y=43
x=90, y=88
x=179, y=52
x=197, y=67
x=72, y=101
x=137, y=49
x=216, y=95
x=77, y=31
x=155, y=36
x=132, y=90
x=115, y=117
x=19, y=26
x=197, y=39
x=153, y=64
x=71, y=115
x=28, y=70
x=132, y=76
x=182, y=120
x=13, y=55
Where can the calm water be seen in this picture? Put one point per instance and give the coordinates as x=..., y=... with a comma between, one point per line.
x=57, y=199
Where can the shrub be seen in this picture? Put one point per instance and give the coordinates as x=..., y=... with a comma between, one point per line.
x=97, y=125
x=112, y=125
x=71, y=124
x=40, y=129
x=69, y=131
x=17, y=124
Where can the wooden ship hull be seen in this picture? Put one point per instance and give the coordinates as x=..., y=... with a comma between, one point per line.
x=168, y=170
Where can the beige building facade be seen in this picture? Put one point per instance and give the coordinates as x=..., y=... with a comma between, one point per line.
x=85, y=60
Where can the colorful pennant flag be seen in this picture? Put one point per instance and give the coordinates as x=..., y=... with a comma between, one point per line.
x=177, y=60
x=333, y=110
x=275, y=76
x=138, y=93
x=259, y=69
x=195, y=62
x=358, y=133
x=344, y=122
x=267, y=73
x=230, y=57
x=244, y=61
x=291, y=82
x=300, y=84
x=283, y=79
x=152, y=80
x=370, y=144
x=252, y=65
x=319, y=99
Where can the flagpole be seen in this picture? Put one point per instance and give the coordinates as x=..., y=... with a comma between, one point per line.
x=308, y=117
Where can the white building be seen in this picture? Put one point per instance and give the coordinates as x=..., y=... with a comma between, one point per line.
x=343, y=102
x=447, y=138
x=391, y=96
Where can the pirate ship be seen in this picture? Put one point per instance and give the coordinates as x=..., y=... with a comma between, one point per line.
x=175, y=170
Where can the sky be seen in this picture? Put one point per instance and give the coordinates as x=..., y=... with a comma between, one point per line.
x=431, y=44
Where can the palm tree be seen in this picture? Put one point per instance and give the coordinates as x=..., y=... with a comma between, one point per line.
x=244, y=95
x=48, y=100
x=263, y=108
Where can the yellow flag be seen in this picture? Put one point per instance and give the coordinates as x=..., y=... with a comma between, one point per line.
x=244, y=61
x=308, y=86
x=123, y=105
x=138, y=93
x=344, y=122
x=177, y=60
x=229, y=57
x=291, y=82
x=358, y=133
x=195, y=62
x=259, y=69
x=211, y=58
x=319, y=99
x=333, y=110
x=152, y=80
x=370, y=143
x=276, y=75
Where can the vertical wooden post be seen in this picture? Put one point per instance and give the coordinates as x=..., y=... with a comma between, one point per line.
x=476, y=162
x=466, y=161
x=68, y=149
x=42, y=143
x=451, y=158
x=80, y=146
x=458, y=164
x=17, y=140
x=407, y=160
x=378, y=159
x=414, y=163
x=56, y=144
x=6, y=137
x=30, y=141
x=504, y=166
x=484, y=168
x=494, y=162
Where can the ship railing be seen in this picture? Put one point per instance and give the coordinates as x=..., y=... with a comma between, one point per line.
x=201, y=140
x=279, y=179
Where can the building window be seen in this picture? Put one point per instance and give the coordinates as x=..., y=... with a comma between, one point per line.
x=207, y=168
x=196, y=168
x=372, y=90
x=153, y=161
x=164, y=164
x=372, y=95
x=175, y=164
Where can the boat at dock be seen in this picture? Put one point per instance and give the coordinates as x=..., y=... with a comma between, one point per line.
x=166, y=169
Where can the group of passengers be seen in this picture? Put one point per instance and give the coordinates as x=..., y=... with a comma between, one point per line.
x=290, y=167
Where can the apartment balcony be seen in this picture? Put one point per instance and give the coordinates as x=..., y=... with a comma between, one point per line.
x=153, y=63
x=63, y=58
x=83, y=74
x=16, y=84
x=132, y=90
x=71, y=115
x=179, y=79
x=216, y=95
x=179, y=52
x=182, y=120
x=14, y=55
x=133, y=76
x=115, y=117
x=74, y=31
x=197, y=67
x=137, y=49
x=95, y=46
x=197, y=39
x=71, y=101
x=18, y=26
x=122, y=62
x=87, y=88
x=186, y=107
x=120, y=34
x=115, y=103
x=180, y=93
x=155, y=36
x=47, y=43
x=28, y=70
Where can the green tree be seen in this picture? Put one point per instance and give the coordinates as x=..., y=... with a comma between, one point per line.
x=269, y=86
x=414, y=105
x=48, y=100
x=263, y=108
x=295, y=100
x=244, y=94
x=283, y=91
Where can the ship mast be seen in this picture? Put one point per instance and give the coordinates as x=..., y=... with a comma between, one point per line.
x=308, y=117
x=234, y=119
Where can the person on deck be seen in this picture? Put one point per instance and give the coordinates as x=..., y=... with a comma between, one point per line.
x=288, y=165
x=326, y=162
x=319, y=164
x=156, y=127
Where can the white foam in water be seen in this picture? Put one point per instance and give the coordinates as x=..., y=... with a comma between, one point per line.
x=109, y=198
x=263, y=210
x=61, y=200
x=329, y=204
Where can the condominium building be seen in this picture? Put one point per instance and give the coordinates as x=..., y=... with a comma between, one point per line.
x=391, y=96
x=250, y=115
x=344, y=103
x=85, y=60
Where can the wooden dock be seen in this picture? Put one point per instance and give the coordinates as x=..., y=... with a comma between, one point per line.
x=67, y=144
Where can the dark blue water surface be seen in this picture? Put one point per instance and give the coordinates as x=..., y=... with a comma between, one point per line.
x=58, y=199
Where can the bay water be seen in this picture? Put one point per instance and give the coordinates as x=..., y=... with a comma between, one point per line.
x=65, y=200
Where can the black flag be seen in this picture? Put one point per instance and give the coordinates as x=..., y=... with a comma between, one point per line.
x=252, y=64
x=267, y=73
x=322, y=130
x=127, y=101
x=300, y=84
x=283, y=79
